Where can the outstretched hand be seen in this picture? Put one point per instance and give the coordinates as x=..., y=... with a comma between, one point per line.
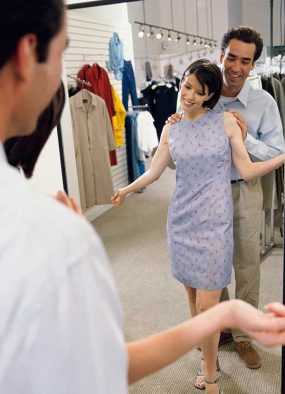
x=267, y=327
x=118, y=198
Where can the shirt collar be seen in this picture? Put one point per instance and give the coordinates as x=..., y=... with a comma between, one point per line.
x=79, y=99
x=243, y=94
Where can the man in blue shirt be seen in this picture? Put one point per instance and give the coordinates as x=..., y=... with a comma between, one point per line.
x=241, y=47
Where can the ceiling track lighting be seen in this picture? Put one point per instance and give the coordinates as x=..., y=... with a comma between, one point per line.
x=158, y=32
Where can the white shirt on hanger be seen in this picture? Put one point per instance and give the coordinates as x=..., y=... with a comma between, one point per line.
x=147, y=135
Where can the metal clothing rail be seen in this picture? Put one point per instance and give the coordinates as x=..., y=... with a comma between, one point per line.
x=88, y=4
x=145, y=106
x=82, y=81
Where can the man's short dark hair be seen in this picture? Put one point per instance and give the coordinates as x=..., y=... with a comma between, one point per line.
x=244, y=34
x=20, y=17
x=208, y=74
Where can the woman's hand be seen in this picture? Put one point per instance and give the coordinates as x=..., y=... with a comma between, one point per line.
x=118, y=198
x=266, y=328
x=175, y=118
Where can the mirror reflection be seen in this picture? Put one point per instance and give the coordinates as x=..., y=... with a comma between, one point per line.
x=127, y=71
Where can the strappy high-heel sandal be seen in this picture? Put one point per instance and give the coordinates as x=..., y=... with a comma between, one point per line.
x=200, y=377
x=212, y=383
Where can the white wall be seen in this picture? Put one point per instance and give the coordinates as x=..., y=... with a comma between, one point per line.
x=235, y=12
x=256, y=13
x=184, y=19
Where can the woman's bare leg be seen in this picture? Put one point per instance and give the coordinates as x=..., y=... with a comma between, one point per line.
x=191, y=293
x=206, y=299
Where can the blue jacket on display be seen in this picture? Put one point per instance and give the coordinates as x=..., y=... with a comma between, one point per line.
x=116, y=57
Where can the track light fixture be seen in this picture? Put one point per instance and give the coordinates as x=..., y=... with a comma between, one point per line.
x=158, y=32
x=141, y=32
x=159, y=35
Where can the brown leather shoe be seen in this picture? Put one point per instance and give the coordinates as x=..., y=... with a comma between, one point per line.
x=248, y=354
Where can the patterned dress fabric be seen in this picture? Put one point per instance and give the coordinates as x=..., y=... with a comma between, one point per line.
x=200, y=217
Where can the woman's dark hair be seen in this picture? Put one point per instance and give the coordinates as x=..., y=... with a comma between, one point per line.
x=244, y=34
x=43, y=18
x=208, y=74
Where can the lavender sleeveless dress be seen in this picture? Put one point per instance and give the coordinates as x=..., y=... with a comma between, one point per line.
x=200, y=217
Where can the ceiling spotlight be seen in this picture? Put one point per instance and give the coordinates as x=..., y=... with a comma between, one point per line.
x=150, y=33
x=188, y=41
x=159, y=35
x=201, y=42
x=169, y=38
x=178, y=38
x=206, y=45
x=141, y=32
x=195, y=42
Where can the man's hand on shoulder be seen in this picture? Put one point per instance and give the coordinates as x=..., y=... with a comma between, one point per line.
x=241, y=123
x=175, y=118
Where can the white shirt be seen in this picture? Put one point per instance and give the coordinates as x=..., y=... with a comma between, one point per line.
x=61, y=324
x=265, y=133
x=146, y=132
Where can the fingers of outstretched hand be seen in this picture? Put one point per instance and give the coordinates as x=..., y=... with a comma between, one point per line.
x=269, y=339
x=75, y=206
x=116, y=199
x=69, y=202
x=63, y=198
x=276, y=308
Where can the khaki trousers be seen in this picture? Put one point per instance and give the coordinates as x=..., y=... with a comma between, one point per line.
x=248, y=202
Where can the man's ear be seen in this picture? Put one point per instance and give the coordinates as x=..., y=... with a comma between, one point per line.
x=222, y=55
x=25, y=57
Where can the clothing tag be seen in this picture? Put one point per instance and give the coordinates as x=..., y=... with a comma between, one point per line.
x=85, y=101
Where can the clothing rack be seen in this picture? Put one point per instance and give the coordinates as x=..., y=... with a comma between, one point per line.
x=81, y=81
x=135, y=107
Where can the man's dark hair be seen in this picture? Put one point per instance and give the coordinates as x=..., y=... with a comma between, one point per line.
x=43, y=18
x=208, y=74
x=244, y=34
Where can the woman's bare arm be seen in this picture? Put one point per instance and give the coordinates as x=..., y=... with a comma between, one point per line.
x=158, y=164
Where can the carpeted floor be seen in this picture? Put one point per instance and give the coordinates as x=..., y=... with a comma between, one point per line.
x=135, y=238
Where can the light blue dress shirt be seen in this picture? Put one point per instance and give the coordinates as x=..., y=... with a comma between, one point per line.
x=116, y=57
x=265, y=134
x=61, y=322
